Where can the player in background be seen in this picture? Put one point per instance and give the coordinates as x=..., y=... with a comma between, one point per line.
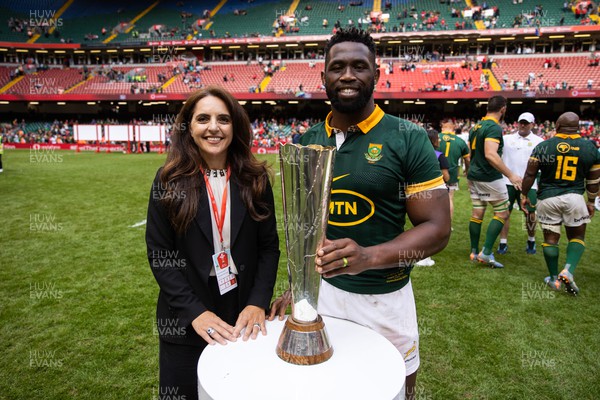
x=485, y=180
x=434, y=138
x=569, y=166
x=517, y=149
x=454, y=149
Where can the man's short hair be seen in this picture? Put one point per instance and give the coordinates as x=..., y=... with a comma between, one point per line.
x=496, y=103
x=350, y=35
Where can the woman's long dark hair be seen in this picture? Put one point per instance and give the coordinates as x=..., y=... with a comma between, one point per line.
x=181, y=177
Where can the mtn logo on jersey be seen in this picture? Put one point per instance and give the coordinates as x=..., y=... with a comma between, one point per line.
x=373, y=153
x=349, y=208
x=563, y=147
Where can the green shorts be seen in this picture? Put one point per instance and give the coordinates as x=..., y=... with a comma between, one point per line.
x=515, y=195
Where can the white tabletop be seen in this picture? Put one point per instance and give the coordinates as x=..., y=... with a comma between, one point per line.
x=364, y=365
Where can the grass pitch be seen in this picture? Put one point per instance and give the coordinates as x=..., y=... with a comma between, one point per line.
x=78, y=297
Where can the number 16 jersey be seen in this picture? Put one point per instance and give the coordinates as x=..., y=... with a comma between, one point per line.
x=564, y=162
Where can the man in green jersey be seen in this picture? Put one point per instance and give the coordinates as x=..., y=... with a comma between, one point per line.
x=454, y=148
x=385, y=169
x=569, y=165
x=485, y=180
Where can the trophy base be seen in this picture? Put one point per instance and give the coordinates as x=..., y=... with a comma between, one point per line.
x=304, y=343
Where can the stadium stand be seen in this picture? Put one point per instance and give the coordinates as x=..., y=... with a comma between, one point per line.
x=51, y=81
x=170, y=20
x=123, y=79
x=522, y=15
x=258, y=20
x=429, y=76
x=289, y=78
x=329, y=10
x=134, y=21
x=426, y=15
x=17, y=16
x=83, y=21
x=244, y=77
x=573, y=70
x=5, y=73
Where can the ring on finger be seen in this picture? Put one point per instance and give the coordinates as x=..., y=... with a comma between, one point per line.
x=257, y=325
x=210, y=331
x=345, y=260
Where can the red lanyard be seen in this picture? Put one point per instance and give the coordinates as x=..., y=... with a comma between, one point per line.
x=219, y=217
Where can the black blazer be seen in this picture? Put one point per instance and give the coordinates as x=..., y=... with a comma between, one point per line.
x=181, y=264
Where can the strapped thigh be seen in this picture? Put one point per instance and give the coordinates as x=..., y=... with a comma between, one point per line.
x=478, y=203
x=499, y=205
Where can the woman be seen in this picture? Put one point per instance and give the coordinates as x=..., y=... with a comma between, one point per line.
x=210, y=219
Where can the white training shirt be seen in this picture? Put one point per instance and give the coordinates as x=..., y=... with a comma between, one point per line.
x=516, y=152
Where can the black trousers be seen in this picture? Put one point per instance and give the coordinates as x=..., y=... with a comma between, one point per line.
x=178, y=363
x=178, y=371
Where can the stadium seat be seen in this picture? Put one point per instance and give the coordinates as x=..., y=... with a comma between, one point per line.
x=51, y=81
x=573, y=70
x=294, y=74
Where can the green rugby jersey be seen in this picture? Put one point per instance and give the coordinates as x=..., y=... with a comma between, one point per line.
x=564, y=162
x=454, y=148
x=382, y=160
x=480, y=169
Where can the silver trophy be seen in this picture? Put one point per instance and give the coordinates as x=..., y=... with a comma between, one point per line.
x=306, y=176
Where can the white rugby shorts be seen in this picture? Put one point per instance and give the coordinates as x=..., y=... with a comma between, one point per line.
x=393, y=315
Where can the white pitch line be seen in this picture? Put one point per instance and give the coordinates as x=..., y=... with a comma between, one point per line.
x=138, y=224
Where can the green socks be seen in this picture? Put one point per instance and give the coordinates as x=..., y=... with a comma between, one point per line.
x=494, y=229
x=551, y=257
x=575, y=250
x=475, y=233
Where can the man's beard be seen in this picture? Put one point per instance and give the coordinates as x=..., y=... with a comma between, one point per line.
x=351, y=106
